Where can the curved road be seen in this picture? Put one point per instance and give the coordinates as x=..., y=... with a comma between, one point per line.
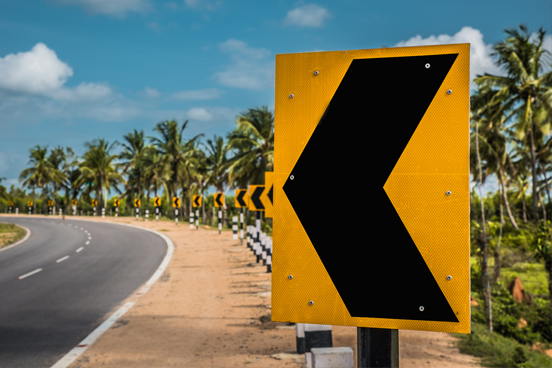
x=46, y=314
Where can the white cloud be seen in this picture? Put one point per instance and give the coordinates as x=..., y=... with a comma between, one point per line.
x=40, y=72
x=151, y=92
x=114, y=8
x=310, y=15
x=203, y=4
x=198, y=113
x=200, y=94
x=250, y=68
x=480, y=53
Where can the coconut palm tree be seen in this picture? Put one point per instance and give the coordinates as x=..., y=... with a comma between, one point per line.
x=156, y=172
x=252, y=144
x=98, y=167
x=132, y=156
x=524, y=92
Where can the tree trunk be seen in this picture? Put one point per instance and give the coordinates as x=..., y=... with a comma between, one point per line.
x=524, y=209
x=506, y=202
x=485, y=279
x=534, y=174
x=496, y=253
x=543, y=207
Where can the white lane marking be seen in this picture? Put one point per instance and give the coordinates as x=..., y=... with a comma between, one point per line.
x=29, y=274
x=19, y=242
x=62, y=259
x=89, y=238
x=90, y=339
x=88, y=242
x=78, y=250
x=81, y=228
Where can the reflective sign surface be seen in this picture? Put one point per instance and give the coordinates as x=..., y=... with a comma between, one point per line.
x=394, y=124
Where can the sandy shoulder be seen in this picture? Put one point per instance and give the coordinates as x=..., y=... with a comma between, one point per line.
x=206, y=309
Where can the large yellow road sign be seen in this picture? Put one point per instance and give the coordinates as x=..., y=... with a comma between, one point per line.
x=268, y=195
x=196, y=201
x=157, y=202
x=242, y=199
x=219, y=199
x=94, y=203
x=116, y=203
x=399, y=118
x=256, y=198
x=176, y=202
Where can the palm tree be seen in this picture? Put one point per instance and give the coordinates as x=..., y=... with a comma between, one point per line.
x=156, y=172
x=134, y=150
x=252, y=143
x=524, y=90
x=98, y=167
x=3, y=191
x=41, y=173
x=173, y=150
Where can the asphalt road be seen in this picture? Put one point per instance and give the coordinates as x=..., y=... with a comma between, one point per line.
x=46, y=314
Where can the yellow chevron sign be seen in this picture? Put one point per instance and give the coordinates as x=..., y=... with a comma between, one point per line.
x=219, y=199
x=418, y=264
x=11, y=204
x=74, y=202
x=268, y=195
x=94, y=203
x=256, y=202
x=137, y=203
x=116, y=203
x=242, y=199
x=50, y=203
x=176, y=202
x=157, y=202
x=196, y=200
x=30, y=203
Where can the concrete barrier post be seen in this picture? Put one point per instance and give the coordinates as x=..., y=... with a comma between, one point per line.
x=147, y=215
x=197, y=219
x=235, y=227
x=192, y=220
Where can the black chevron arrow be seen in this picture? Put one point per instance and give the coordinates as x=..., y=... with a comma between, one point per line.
x=218, y=196
x=270, y=194
x=157, y=204
x=196, y=200
x=256, y=198
x=177, y=202
x=368, y=123
x=240, y=196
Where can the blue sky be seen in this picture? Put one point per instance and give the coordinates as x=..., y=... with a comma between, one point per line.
x=75, y=70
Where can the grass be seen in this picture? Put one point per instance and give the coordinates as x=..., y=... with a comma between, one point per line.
x=9, y=234
x=498, y=351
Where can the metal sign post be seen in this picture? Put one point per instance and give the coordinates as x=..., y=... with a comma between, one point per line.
x=377, y=347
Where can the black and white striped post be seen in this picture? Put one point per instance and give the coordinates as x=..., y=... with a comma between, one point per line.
x=269, y=257
x=94, y=211
x=176, y=216
x=248, y=237
x=220, y=220
x=156, y=214
x=147, y=215
x=103, y=212
x=235, y=227
x=308, y=336
x=241, y=225
x=192, y=219
x=197, y=219
x=263, y=248
x=137, y=213
x=258, y=234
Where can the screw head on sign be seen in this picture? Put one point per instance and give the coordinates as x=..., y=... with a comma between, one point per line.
x=449, y=277
x=449, y=91
x=291, y=95
x=290, y=277
x=422, y=308
x=448, y=192
x=316, y=72
x=311, y=302
x=427, y=66
x=291, y=177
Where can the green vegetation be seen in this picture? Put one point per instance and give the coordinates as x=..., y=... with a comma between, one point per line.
x=9, y=234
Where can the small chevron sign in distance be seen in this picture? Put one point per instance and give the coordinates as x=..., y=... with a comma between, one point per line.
x=94, y=203
x=157, y=202
x=30, y=203
x=137, y=203
x=11, y=204
x=50, y=203
x=419, y=246
x=74, y=202
x=255, y=201
x=116, y=203
x=219, y=199
x=196, y=200
x=267, y=197
x=176, y=202
x=242, y=198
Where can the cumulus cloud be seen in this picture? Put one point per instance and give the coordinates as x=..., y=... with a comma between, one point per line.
x=151, y=92
x=310, y=15
x=114, y=8
x=203, y=4
x=480, y=53
x=40, y=72
x=200, y=94
x=250, y=67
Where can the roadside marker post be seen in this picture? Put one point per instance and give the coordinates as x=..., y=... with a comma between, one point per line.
x=17, y=211
x=192, y=219
x=30, y=205
x=235, y=227
x=242, y=201
x=10, y=207
x=116, y=204
x=157, y=205
x=147, y=215
x=103, y=212
x=420, y=188
x=219, y=203
x=176, y=205
x=156, y=214
x=94, y=206
x=196, y=203
x=137, y=204
x=197, y=219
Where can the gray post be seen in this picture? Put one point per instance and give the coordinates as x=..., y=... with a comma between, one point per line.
x=377, y=347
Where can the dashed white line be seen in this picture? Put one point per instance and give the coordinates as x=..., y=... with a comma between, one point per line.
x=89, y=238
x=78, y=250
x=88, y=242
x=62, y=259
x=29, y=274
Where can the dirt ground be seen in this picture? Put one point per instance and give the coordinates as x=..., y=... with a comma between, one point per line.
x=207, y=308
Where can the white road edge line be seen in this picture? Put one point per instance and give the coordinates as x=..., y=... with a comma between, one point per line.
x=62, y=259
x=78, y=250
x=88, y=242
x=76, y=352
x=19, y=242
x=29, y=274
